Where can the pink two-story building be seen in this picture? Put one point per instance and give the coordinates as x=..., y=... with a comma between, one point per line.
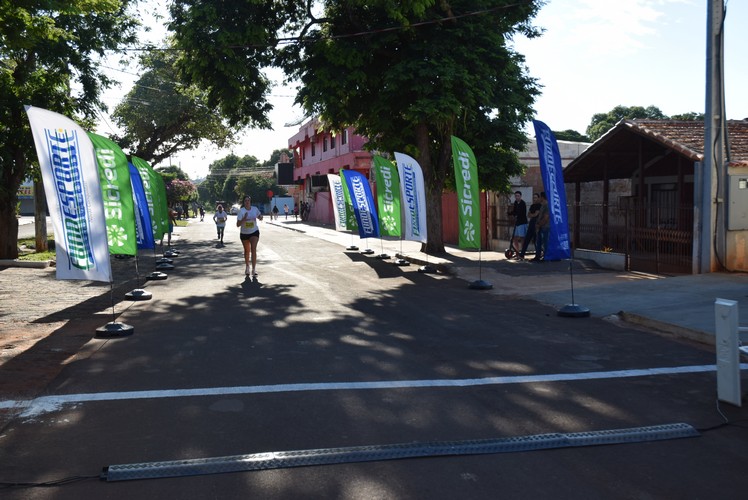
x=318, y=152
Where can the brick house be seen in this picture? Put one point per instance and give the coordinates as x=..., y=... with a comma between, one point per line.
x=636, y=191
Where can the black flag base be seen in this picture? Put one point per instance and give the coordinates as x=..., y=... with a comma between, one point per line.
x=574, y=311
x=352, y=248
x=164, y=260
x=164, y=267
x=480, y=285
x=428, y=269
x=115, y=329
x=171, y=253
x=402, y=262
x=368, y=251
x=383, y=256
x=139, y=294
x=155, y=275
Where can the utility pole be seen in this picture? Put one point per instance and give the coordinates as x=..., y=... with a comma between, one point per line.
x=713, y=177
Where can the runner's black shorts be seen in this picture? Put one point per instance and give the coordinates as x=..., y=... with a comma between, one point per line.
x=243, y=236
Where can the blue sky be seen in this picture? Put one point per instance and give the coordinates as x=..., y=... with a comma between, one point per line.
x=597, y=54
x=593, y=56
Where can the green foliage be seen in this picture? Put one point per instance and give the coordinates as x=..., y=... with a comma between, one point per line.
x=275, y=157
x=689, y=117
x=418, y=73
x=225, y=174
x=49, y=58
x=602, y=122
x=179, y=190
x=162, y=117
x=407, y=75
x=570, y=135
x=172, y=172
x=257, y=186
x=223, y=47
x=29, y=250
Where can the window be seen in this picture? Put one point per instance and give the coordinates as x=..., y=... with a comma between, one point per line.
x=344, y=137
x=314, y=149
x=324, y=144
x=332, y=142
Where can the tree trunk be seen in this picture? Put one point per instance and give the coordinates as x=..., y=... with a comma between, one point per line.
x=434, y=187
x=8, y=231
x=40, y=217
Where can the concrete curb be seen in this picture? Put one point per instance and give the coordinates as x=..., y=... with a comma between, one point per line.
x=668, y=328
x=36, y=264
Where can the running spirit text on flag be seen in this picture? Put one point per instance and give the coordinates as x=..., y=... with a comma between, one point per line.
x=338, y=201
x=552, y=172
x=143, y=224
x=363, y=204
x=71, y=184
x=413, y=198
x=350, y=216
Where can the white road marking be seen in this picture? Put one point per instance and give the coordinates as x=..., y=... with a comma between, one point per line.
x=45, y=404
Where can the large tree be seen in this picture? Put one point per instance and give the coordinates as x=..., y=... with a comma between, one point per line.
x=275, y=157
x=408, y=76
x=49, y=54
x=162, y=117
x=257, y=186
x=224, y=46
x=602, y=122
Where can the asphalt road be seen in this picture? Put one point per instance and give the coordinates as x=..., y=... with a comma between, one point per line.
x=26, y=227
x=328, y=349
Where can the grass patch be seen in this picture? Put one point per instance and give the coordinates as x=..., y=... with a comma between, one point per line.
x=37, y=256
x=28, y=252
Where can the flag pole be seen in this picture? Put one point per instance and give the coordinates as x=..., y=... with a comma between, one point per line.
x=352, y=247
x=573, y=310
x=138, y=293
x=428, y=268
x=558, y=242
x=479, y=284
x=114, y=328
x=383, y=255
x=164, y=263
x=367, y=250
x=400, y=261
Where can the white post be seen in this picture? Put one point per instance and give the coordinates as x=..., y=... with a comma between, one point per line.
x=728, y=354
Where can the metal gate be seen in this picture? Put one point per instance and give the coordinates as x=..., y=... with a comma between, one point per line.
x=655, y=238
x=659, y=239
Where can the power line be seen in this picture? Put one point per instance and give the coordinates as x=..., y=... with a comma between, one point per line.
x=297, y=40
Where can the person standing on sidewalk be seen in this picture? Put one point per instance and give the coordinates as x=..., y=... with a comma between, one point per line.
x=172, y=223
x=533, y=219
x=543, y=229
x=220, y=218
x=249, y=233
x=519, y=211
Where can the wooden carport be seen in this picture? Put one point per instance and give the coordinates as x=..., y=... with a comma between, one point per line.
x=653, y=224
